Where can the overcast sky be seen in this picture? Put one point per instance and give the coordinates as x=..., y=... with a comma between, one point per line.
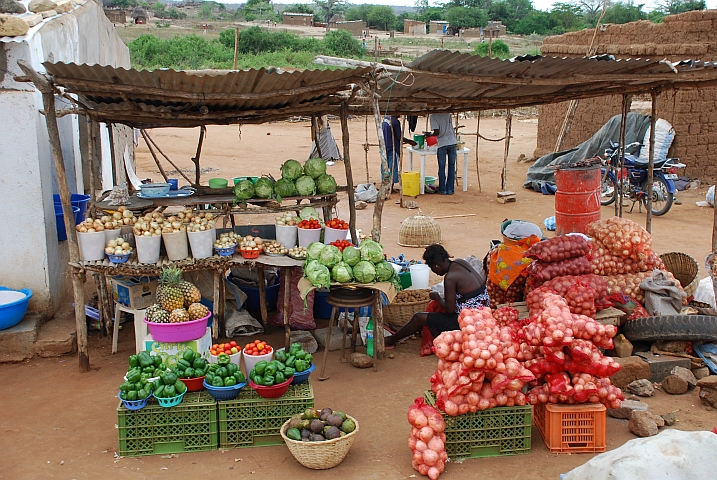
x=539, y=4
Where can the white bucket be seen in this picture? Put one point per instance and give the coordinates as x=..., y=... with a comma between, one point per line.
x=202, y=243
x=112, y=234
x=92, y=245
x=287, y=235
x=308, y=236
x=419, y=276
x=148, y=248
x=176, y=245
x=333, y=234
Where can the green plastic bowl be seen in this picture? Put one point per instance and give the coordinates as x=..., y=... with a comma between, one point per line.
x=430, y=180
x=218, y=183
x=239, y=179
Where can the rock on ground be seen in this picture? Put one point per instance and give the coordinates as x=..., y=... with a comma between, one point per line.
x=674, y=385
x=670, y=419
x=11, y=6
x=11, y=26
x=701, y=372
x=642, y=424
x=708, y=392
x=686, y=375
x=361, y=360
x=37, y=6
x=633, y=368
x=626, y=409
x=641, y=388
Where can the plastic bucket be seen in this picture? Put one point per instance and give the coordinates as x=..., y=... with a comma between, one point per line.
x=333, y=234
x=419, y=276
x=322, y=309
x=60, y=218
x=112, y=234
x=308, y=236
x=176, y=245
x=287, y=235
x=92, y=245
x=252, y=296
x=431, y=140
x=148, y=248
x=411, y=182
x=250, y=360
x=405, y=279
x=77, y=200
x=419, y=139
x=202, y=243
x=577, y=200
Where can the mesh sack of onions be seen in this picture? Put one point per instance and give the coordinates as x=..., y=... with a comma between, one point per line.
x=605, y=263
x=561, y=284
x=505, y=315
x=588, y=329
x=622, y=237
x=543, y=272
x=559, y=248
x=427, y=439
x=629, y=284
x=513, y=294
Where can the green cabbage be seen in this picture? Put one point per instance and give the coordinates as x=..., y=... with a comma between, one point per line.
x=384, y=271
x=315, y=167
x=313, y=251
x=244, y=190
x=330, y=255
x=342, y=273
x=291, y=170
x=352, y=255
x=318, y=275
x=364, y=272
x=308, y=212
x=371, y=251
x=264, y=187
x=284, y=188
x=305, y=186
x=326, y=184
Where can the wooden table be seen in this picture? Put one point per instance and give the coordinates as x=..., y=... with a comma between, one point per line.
x=423, y=152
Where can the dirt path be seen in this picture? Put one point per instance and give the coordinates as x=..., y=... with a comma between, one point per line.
x=57, y=423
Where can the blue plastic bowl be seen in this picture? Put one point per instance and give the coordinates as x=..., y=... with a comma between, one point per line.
x=12, y=312
x=134, y=404
x=226, y=252
x=303, y=377
x=224, y=393
x=118, y=258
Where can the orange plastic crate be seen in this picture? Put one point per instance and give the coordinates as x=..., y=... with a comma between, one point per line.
x=571, y=428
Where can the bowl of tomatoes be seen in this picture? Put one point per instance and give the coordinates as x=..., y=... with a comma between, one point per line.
x=230, y=348
x=335, y=230
x=309, y=231
x=255, y=352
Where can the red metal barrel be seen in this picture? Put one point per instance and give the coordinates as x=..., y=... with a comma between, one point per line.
x=577, y=200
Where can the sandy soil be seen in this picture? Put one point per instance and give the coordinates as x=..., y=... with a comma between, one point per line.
x=58, y=423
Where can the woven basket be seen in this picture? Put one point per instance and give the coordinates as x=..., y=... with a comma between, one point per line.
x=419, y=231
x=399, y=314
x=320, y=455
x=684, y=268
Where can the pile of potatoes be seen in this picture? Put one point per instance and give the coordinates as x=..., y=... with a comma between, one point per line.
x=411, y=296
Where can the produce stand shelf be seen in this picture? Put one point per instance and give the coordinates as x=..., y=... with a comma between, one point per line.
x=487, y=433
x=608, y=316
x=253, y=421
x=191, y=426
x=253, y=205
x=571, y=428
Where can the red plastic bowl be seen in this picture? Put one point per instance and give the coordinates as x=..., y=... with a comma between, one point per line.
x=193, y=384
x=250, y=253
x=275, y=391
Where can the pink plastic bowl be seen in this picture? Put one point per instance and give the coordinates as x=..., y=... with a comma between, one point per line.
x=178, y=332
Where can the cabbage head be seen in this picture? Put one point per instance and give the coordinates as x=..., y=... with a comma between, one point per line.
x=284, y=188
x=305, y=186
x=291, y=170
x=264, y=187
x=352, y=255
x=318, y=275
x=364, y=272
x=384, y=271
x=244, y=190
x=326, y=184
x=371, y=251
x=342, y=273
x=313, y=251
x=315, y=167
x=308, y=212
x=330, y=256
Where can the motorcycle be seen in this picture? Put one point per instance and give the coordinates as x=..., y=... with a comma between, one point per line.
x=631, y=181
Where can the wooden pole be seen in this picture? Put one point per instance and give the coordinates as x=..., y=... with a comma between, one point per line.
x=215, y=307
x=480, y=188
x=379, y=349
x=508, y=128
x=45, y=86
x=400, y=162
x=349, y=174
x=287, y=300
x=621, y=152
x=166, y=157
x=90, y=128
x=154, y=155
x=651, y=162
x=315, y=134
x=385, y=176
x=236, y=49
x=195, y=158
x=365, y=149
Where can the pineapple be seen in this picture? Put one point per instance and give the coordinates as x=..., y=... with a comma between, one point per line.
x=191, y=293
x=151, y=312
x=161, y=316
x=197, y=311
x=169, y=293
x=178, y=315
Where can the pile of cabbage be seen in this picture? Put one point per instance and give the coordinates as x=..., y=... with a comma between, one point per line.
x=326, y=264
x=311, y=179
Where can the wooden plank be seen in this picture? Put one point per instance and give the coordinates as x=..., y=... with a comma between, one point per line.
x=506, y=197
x=287, y=298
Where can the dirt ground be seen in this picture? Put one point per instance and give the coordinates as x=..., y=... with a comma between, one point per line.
x=58, y=423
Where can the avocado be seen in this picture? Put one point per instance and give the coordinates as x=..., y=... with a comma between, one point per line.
x=310, y=414
x=332, y=432
x=315, y=437
x=316, y=426
x=348, y=426
x=305, y=433
x=340, y=414
x=334, y=421
x=325, y=413
x=295, y=422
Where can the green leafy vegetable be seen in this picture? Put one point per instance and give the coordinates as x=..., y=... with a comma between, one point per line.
x=326, y=184
x=291, y=170
x=284, y=188
x=352, y=255
x=364, y=272
x=244, y=190
x=306, y=186
x=384, y=271
x=264, y=187
x=330, y=256
x=308, y=212
x=315, y=167
x=371, y=251
x=342, y=273
x=318, y=275
x=314, y=250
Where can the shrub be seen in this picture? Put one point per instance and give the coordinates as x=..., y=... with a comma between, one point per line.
x=499, y=49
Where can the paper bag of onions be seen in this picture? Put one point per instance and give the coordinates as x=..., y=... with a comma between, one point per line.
x=427, y=440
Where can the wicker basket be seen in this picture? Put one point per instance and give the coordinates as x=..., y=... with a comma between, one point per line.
x=320, y=455
x=399, y=314
x=684, y=268
x=419, y=231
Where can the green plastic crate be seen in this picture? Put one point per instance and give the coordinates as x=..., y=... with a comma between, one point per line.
x=253, y=421
x=191, y=426
x=487, y=433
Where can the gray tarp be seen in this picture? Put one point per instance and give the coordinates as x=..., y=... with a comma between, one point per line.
x=540, y=172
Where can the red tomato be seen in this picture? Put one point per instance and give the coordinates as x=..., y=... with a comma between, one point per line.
x=233, y=343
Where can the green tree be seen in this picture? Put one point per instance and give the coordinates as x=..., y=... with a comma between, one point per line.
x=567, y=17
x=432, y=13
x=510, y=11
x=624, y=13
x=300, y=8
x=359, y=12
x=466, y=17
x=498, y=48
x=398, y=26
x=537, y=21
x=158, y=8
x=591, y=10
x=119, y=3
x=382, y=16
x=672, y=7
x=330, y=7
x=205, y=11
x=341, y=43
x=175, y=14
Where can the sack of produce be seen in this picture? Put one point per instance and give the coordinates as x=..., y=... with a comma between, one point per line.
x=427, y=439
x=605, y=263
x=622, y=237
x=542, y=272
x=559, y=248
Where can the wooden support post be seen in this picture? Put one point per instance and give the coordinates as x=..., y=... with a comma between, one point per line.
x=89, y=126
x=147, y=137
x=287, y=299
x=195, y=158
x=379, y=349
x=236, y=48
x=385, y=175
x=107, y=302
x=154, y=155
x=400, y=162
x=45, y=86
x=222, y=304
x=480, y=188
x=262, y=295
x=508, y=128
x=365, y=149
x=651, y=161
x=349, y=174
x=315, y=134
x=621, y=155
x=215, y=307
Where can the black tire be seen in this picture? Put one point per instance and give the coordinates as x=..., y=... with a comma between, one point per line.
x=605, y=197
x=659, y=194
x=672, y=327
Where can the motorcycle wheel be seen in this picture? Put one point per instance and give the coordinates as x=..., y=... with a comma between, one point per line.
x=608, y=191
x=661, y=197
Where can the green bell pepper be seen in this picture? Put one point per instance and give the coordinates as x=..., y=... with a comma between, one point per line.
x=183, y=364
x=279, y=377
x=133, y=376
x=269, y=370
x=280, y=355
x=258, y=379
x=131, y=395
x=232, y=368
x=189, y=355
x=260, y=367
x=189, y=373
x=145, y=360
x=300, y=355
x=209, y=376
x=157, y=360
x=280, y=366
x=169, y=378
x=143, y=377
x=223, y=372
x=301, y=365
x=126, y=386
x=138, y=385
x=157, y=372
x=180, y=387
x=169, y=391
x=217, y=381
x=288, y=372
x=252, y=375
x=159, y=391
x=223, y=359
x=142, y=394
x=309, y=358
x=230, y=381
x=290, y=361
x=213, y=367
x=133, y=361
x=239, y=377
x=294, y=348
x=199, y=363
x=269, y=380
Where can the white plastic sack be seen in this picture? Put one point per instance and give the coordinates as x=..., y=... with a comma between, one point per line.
x=366, y=192
x=711, y=196
x=664, y=135
x=705, y=293
x=672, y=454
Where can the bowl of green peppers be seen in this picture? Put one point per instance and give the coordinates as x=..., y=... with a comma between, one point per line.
x=271, y=379
x=223, y=379
x=191, y=368
x=298, y=359
x=168, y=390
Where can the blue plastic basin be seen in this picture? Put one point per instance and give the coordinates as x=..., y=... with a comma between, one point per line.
x=13, y=311
x=60, y=218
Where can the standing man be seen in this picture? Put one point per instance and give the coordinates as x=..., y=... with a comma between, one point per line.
x=392, y=137
x=442, y=125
